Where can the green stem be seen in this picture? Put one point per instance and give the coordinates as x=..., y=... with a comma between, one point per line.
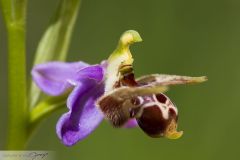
x=16, y=89
x=14, y=14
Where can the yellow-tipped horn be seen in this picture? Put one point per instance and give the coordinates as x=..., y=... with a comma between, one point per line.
x=171, y=132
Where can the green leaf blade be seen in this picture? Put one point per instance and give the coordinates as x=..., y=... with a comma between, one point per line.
x=55, y=42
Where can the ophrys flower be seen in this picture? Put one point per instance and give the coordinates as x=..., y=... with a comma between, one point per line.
x=111, y=85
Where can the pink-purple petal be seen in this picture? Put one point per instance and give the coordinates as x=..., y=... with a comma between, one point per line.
x=83, y=116
x=132, y=123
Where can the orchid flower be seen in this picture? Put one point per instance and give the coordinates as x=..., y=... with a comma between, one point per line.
x=109, y=90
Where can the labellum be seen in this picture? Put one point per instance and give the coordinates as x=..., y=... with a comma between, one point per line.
x=142, y=99
x=155, y=113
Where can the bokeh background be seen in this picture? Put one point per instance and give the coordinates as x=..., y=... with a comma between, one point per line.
x=187, y=37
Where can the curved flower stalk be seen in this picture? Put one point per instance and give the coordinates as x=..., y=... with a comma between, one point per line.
x=110, y=90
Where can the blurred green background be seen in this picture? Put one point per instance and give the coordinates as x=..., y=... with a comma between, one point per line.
x=187, y=37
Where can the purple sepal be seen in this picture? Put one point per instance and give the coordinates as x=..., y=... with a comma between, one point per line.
x=83, y=116
x=52, y=78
